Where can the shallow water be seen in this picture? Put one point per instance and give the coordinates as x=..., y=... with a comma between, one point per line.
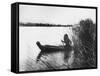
x=28, y=36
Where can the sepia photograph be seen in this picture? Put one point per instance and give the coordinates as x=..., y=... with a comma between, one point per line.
x=56, y=38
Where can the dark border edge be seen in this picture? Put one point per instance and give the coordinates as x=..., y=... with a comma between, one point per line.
x=14, y=38
x=59, y=70
x=56, y=5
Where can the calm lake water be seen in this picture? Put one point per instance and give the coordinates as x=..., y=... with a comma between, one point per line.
x=28, y=36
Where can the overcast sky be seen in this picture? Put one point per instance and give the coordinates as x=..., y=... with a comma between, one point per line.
x=54, y=15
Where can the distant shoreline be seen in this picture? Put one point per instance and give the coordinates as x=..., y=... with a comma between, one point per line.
x=42, y=25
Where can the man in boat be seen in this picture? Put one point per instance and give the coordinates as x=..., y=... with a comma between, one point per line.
x=66, y=40
x=67, y=47
x=47, y=49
